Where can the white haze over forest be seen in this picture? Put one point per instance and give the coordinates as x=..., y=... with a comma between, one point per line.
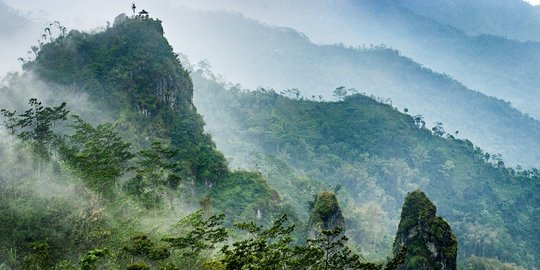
x=496, y=51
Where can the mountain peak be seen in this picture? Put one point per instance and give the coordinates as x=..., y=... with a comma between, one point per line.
x=133, y=54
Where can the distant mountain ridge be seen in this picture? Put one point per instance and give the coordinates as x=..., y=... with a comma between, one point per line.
x=256, y=54
x=496, y=66
x=514, y=19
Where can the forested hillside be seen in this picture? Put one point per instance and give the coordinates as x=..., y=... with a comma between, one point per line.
x=281, y=58
x=106, y=161
x=72, y=185
x=372, y=155
x=111, y=169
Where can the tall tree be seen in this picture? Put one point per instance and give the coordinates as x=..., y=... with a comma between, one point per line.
x=36, y=124
x=98, y=154
x=157, y=175
x=195, y=235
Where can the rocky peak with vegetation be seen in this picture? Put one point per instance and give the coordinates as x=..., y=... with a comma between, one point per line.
x=325, y=214
x=427, y=238
x=131, y=71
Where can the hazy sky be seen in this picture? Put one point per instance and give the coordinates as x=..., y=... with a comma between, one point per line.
x=90, y=14
x=78, y=14
x=87, y=15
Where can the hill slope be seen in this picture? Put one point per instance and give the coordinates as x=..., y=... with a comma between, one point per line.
x=97, y=195
x=73, y=187
x=280, y=58
x=373, y=155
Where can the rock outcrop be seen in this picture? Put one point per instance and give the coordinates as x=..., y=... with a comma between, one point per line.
x=325, y=214
x=427, y=238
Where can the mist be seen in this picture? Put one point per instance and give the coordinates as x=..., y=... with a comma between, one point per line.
x=17, y=33
x=494, y=65
x=290, y=142
x=256, y=55
x=500, y=67
x=45, y=200
x=18, y=89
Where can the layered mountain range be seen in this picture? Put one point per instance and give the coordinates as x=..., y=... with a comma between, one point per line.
x=128, y=155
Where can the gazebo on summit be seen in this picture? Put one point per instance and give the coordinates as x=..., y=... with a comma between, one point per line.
x=144, y=15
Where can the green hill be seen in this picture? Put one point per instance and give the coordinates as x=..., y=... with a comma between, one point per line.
x=131, y=71
x=69, y=186
x=254, y=54
x=374, y=155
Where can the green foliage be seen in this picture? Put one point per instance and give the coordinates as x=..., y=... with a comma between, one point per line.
x=138, y=266
x=378, y=155
x=265, y=249
x=157, y=175
x=245, y=195
x=326, y=212
x=271, y=249
x=398, y=260
x=89, y=262
x=340, y=93
x=98, y=154
x=35, y=125
x=479, y=263
x=40, y=257
x=197, y=234
x=329, y=251
x=417, y=208
x=141, y=245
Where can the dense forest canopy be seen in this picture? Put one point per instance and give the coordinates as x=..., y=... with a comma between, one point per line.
x=374, y=154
